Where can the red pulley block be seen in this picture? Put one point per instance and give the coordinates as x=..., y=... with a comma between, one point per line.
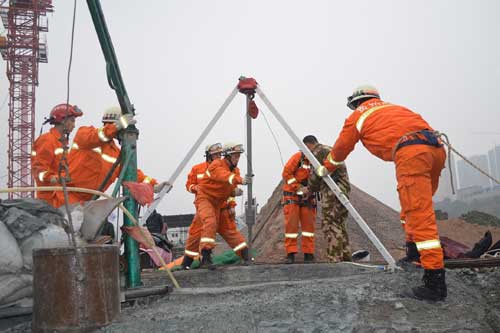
x=253, y=110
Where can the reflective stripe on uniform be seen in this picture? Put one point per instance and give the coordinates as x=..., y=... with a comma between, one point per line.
x=207, y=240
x=41, y=175
x=101, y=135
x=402, y=221
x=75, y=146
x=231, y=199
x=307, y=234
x=191, y=253
x=97, y=150
x=207, y=173
x=108, y=158
x=291, y=181
x=147, y=180
x=231, y=178
x=58, y=151
x=332, y=161
x=200, y=175
x=291, y=235
x=366, y=114
x=306, y=166
x=190, y=188
x=33, y=153
x=240, y=246
x=428, y=245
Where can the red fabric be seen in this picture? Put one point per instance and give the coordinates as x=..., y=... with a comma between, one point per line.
x=144, y=238
x=166, y=256
x=453, y=249
x=45, y=158
x=379, y=133
x=418, y=168
x=141, y=192
x=294, y=172
x=91, y=158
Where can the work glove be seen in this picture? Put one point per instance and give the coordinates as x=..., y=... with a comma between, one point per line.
x=158, y=187
x=303, y=190
x=124, y=121
x=54, y=180
x=247, y=180
x=238, y=192
x=322, y=171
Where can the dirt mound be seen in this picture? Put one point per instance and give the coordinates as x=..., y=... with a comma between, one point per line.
x=466, y=233
x=383, y=220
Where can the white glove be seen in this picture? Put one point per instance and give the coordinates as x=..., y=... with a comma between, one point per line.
x=303, y=190
x=124, y=121
x=322, y=171
x=158, y=187
x=247, y=180
x=238, y=192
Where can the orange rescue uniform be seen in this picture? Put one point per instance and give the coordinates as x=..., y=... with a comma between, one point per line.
x=45, y=158
x=389, y=132
x=92, y=155
x=213, y=191
x=298, y=209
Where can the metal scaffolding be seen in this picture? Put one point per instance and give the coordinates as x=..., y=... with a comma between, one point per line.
x=24, y=20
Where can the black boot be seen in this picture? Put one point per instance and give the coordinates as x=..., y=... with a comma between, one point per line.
x=412, y=259
x=434, y=288
x=186, y=262
x=480, y=247
x=206, y=260
x=247, y=259
x=290, y=258
x=308, y=258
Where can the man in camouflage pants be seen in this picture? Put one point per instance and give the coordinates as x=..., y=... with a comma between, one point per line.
x=334, y=214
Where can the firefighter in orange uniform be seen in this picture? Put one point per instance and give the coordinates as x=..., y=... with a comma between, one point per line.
x=94, y=152
x=48, y=150
x=395, y=133
x=227, y=226
x=299, y=207
x=213, y=191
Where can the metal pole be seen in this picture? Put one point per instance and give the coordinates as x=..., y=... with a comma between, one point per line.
x=250, y=206
x=189, y=155
x=128, y=136
x=333, y=186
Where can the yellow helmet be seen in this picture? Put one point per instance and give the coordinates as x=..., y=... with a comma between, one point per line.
x=361, y=92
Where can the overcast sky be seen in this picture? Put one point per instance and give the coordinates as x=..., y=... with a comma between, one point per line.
x=181, y=59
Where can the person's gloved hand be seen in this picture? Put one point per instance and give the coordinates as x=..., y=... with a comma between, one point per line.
x=247, y=180
x=232, y=211
x=54, y=180
x=322, y=171
x=194, y=189
x=238, y=192
x=124, y=121
x=303, y=190
x=158, y=187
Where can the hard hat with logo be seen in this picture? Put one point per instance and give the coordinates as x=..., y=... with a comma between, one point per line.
x=361, y=92
x=214, y=148
x=62, y=111
x=112, y=114
x=233, y=148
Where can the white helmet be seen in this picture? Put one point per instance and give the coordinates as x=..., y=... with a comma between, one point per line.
x=231, y=148
x=362, y=92
x=112, y=114
x=214, y=148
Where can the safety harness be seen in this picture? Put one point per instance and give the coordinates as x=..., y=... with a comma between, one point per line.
x=423, y=137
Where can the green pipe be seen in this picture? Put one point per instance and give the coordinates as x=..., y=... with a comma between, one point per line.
x=128, y=136
x=120, y=178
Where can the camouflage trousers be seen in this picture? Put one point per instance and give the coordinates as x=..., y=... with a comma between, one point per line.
x=333, y=223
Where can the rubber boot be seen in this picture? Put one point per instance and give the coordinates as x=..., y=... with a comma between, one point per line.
x=290, y=258
x=308, y=258
x=206, y=260
x=247, y=259
x=186, y=262
x=434, y=288
x=480, y=247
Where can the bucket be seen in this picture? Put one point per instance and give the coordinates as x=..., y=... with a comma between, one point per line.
x=75, y=289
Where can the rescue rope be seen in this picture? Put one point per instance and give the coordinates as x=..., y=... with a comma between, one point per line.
x=125, y=211
x=446, y=141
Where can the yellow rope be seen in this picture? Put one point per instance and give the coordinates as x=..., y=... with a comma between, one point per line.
x=125, y=211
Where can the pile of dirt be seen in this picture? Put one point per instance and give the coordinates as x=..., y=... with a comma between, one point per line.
x=382, y=219
x=466, y=233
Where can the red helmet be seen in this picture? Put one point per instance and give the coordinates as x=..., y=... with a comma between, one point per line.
x=63, y=111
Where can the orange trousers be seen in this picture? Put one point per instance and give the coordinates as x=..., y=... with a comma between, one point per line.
x=227, y=229
x=418, y=168
x=306, y=217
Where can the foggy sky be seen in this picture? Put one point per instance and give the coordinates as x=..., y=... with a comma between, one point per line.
x=181, y=59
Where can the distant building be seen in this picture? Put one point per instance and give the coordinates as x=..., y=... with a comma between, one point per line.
x=444, y=190
x=494, y=164
x=469, y=176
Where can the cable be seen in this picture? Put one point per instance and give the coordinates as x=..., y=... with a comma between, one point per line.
x=71, y=52
x=274, y=137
